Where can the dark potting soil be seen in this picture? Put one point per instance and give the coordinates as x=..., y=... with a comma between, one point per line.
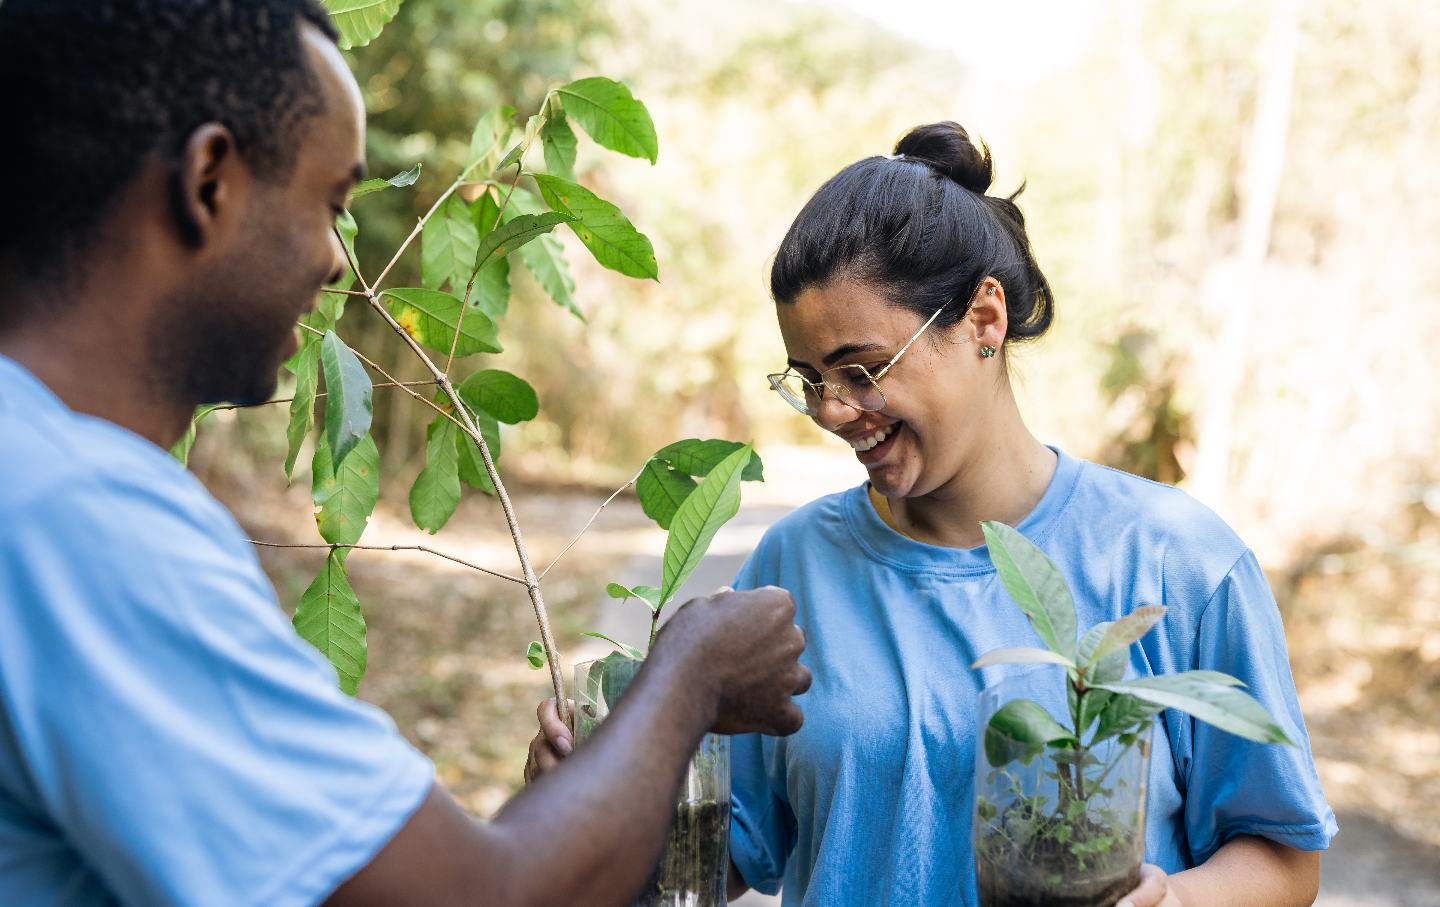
x=1003, y=885
x=693, y=869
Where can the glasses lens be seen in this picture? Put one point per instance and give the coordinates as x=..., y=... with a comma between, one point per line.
x=796, y=392
x=853, y=385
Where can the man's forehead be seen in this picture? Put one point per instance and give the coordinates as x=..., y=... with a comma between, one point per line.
x=344, y=105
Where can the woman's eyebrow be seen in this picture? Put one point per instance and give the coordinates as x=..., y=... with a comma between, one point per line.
x=840, y=352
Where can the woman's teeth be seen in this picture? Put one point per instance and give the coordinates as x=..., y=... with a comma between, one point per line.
x=870, y=441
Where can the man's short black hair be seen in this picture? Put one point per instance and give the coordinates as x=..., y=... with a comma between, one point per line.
x=89, y=89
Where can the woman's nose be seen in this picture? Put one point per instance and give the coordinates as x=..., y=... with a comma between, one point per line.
x=833, y=412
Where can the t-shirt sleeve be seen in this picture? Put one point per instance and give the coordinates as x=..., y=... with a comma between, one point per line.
x=172, y=726
x=1234, y=786
x=762, y=828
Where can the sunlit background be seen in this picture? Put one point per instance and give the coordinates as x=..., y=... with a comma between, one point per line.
x=1238, y=206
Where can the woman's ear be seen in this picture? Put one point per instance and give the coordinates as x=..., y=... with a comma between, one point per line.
x=987, y=321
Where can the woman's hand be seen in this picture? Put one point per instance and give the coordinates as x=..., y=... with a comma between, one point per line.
x=553, y=742
x=1154, y=890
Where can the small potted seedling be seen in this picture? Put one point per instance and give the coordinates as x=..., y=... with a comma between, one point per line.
x=1060, y=790
x=692, y=871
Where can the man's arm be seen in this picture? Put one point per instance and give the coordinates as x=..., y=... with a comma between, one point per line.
x=593, y=828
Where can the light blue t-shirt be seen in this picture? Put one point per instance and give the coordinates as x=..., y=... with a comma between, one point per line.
x=165, y=737
x=870, y=803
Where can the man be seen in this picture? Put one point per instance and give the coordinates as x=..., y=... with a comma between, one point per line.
x=172, y=170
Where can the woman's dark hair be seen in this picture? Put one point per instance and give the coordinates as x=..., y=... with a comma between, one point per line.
x=919, y=229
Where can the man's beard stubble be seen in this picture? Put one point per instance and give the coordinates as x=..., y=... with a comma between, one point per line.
x=214, y=348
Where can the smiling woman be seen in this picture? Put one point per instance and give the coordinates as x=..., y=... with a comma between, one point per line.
x=899, y=288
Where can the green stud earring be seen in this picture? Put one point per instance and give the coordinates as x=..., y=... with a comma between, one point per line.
x=986, y=352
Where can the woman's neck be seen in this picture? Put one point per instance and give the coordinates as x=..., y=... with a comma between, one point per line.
x=1003, y=478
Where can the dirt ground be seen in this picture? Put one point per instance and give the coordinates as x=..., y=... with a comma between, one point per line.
x=447, y=654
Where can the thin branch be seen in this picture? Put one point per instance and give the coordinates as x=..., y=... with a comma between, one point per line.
x=596, y=515
x=320, y=394
x=475, y=274
x=472, y=430
x=340, y=292
x=449, y=557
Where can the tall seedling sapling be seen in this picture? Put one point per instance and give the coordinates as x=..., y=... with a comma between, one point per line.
x=1064, y=834
x=495, y=211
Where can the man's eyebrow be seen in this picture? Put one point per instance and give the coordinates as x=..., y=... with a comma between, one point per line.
x=835, y=355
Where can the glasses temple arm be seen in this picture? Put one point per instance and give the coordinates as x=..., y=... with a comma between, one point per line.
x=896, y=358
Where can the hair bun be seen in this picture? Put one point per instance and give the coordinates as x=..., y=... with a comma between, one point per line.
x=947, y=147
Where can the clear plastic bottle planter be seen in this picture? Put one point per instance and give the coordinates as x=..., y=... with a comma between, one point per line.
x=692, y=871
x=1068, y=828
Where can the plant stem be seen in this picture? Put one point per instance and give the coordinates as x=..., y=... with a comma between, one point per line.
x=424, y=548
x=593, y=517
x=468, y=425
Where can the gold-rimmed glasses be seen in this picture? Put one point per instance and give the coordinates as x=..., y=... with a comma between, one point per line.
x=852, y=385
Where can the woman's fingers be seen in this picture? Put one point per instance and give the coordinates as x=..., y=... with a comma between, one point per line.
x=553, y=728
x=1153, y=890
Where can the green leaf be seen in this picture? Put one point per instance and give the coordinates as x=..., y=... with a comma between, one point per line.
x=346, y=497
x=332, y=305
x=1021, y=729
x=629, y=651
x=302, y=405
x=648, y=594
x=1119, y=713
x=181, y=450
x=347, y=396
x=360, y=21
x=430, y=317
x=1109, y=668
x=612, y=116
x=557, y=140
x=448, y=245
x=491, y=133
x=436, y=492
x=491, y=293
x=1020, y=655
x=398, y=181
x=545, y=259
x=602, y=227
x=535, y=655
x=619, y=669
x=695, y=457
x=662, y=489
x=1035, y=583
x=515, y=233
x=472, y=464
x=699, y=517
x=1121, y=633
x=328, y=617
x=1221, y=704
x=501, y=394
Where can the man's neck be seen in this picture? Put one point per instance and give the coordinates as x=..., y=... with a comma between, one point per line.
x=99, y=367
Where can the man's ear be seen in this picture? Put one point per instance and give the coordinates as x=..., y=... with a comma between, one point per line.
x=206, y=182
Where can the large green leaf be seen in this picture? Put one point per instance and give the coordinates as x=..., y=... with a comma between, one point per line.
x=448, y=245
x=1020, y=655
x=328, y=617
x=503, y=395
x=472, y=464
x=1222, y=704
x=436, y=492
x=602, y=227
x=430, y=318
x=347, y=396
x=491, y=292
x=1118, y=712
x=625, y=649
x=619, y=669
x=545, y=258
x=661, y=489
x=700, y=516
x=1120, y=634
x=1107, y=669
x=1033, y=580
x=612, y=116
x=558, y=141
x=302, y=404
x=181, y=449
x=1021, y=729
x=515, y=233
x=488, y=139
x=696, y=457
x=398, y=181
x=346, y=496
x=359, y=21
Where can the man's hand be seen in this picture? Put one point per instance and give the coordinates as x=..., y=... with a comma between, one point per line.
x=745, y=644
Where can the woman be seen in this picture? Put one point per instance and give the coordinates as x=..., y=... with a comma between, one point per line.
x=899, y=289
